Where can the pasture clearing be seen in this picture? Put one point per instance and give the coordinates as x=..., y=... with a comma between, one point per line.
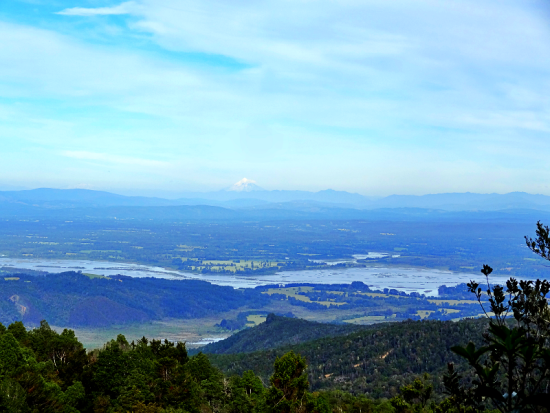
x=255, y=319
x=424, y=313
x=92, y=276
x=293, y=292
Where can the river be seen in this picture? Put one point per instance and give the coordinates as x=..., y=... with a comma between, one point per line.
x=423, y=281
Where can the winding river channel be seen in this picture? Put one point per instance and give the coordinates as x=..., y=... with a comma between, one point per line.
x=424, y=281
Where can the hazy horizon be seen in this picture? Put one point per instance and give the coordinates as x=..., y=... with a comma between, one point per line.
x=182, y=194
x=371, y=97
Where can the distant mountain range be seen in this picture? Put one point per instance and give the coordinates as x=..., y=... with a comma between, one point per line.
x=468, y=201
x=246, y=200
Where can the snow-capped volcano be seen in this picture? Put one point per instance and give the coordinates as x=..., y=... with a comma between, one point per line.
x=245, y=185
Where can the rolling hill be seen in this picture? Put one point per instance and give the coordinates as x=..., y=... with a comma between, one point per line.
x=374, y=361
x=277, y=331
x=73, y=299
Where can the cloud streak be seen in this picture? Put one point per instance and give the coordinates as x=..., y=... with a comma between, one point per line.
x=123, y=8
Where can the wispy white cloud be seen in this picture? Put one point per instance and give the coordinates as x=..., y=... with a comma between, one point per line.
x=124, y=8
x=371, y=87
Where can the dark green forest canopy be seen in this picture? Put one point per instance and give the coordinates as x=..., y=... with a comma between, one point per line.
x=375, y=361
x=44, y=371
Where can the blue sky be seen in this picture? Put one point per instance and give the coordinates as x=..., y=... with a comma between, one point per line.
x=371, y=96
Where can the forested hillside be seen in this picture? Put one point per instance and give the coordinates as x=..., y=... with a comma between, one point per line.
x=374, y=361
x=277, y=331
x=73, y=299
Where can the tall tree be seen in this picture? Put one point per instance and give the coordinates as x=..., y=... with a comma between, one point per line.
x=289, y=385
x=513, y=369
